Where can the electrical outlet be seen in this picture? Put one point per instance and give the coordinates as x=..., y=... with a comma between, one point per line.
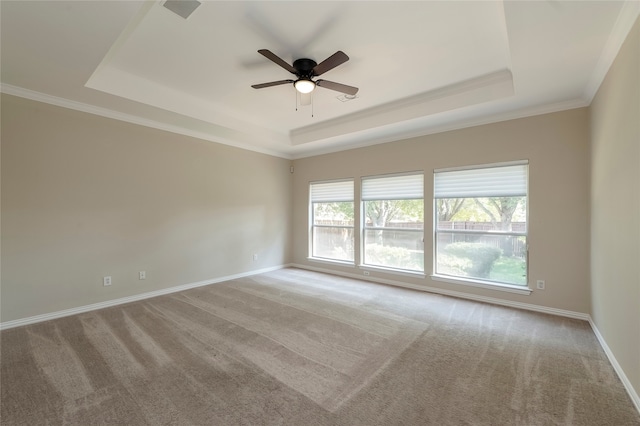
x=142, y=275
x=106, y=281
x=366, y=273
x=255, y=257
x=540, y=284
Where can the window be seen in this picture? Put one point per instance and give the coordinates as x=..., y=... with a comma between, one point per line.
x=481, y=223
x=332, y=218
x=393, y=212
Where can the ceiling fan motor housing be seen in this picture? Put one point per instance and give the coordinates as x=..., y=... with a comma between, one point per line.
x=304, y=67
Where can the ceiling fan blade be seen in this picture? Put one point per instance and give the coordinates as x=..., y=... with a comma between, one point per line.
x=330, y=63
x=271, y=83
x=338, y=87
x=274, y=58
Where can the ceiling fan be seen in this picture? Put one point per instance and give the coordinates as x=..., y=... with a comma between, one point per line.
x=305, y=70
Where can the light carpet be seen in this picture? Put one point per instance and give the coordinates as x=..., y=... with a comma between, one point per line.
x=294, y=347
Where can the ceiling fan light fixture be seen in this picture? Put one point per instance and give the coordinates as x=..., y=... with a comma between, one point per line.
x=304, y=85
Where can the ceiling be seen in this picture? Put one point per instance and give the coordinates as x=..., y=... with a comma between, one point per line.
x=421, y=67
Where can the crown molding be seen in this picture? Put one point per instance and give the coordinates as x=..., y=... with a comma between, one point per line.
x=130, y=118
x=628, y=15
x=451, y=126
x=477, y=90
x=366, y=141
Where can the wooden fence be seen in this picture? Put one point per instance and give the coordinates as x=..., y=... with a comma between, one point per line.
x=510, y=245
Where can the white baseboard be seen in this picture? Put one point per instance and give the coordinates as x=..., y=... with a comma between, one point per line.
x=100, y=305
x=614, y=362
x=458, y=294
x=527, y=306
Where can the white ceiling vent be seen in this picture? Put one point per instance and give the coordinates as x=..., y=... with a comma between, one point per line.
x=182, y=8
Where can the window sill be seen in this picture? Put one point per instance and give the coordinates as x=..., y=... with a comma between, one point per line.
x=404, y=272
x=484, y=284
x=332, y=261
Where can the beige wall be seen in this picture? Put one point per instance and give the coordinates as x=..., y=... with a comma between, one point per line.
x=615, y=208
x=557, y=147
x=84, y=197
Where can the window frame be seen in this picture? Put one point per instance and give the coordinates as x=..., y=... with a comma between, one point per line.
x=313, y=225
x=364, y=228
x=473, y=281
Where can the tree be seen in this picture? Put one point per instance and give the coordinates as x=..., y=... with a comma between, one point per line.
x=380, y=213
x=500, y=211
x=448, y=208
x=336, y=211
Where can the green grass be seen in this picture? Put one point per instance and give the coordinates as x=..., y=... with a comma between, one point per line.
x=509, y=270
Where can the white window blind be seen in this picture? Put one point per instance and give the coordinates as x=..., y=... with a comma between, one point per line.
x=402, y=187
x=327, y=192
x=498, y=181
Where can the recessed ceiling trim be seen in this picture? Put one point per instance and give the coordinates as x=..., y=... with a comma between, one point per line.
x=380, y=136
x=232, y=140
x=207, y=63
x=120, y=83
x=496, y=85
x=122, y=38
x=629, y=12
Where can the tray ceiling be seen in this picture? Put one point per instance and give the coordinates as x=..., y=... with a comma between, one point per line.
x=421, y=67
